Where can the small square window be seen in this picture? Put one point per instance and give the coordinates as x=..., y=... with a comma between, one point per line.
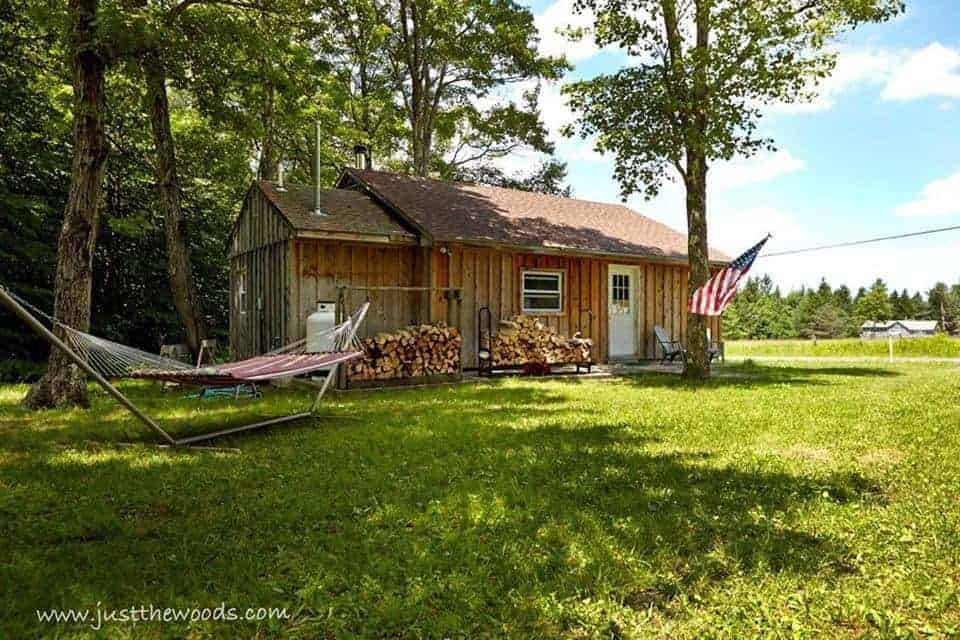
x=542, y=291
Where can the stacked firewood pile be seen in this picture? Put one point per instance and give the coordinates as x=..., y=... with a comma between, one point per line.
x=523, y=340
x=417, y=350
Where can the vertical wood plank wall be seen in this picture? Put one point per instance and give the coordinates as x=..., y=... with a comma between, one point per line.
x=321, y=266
x=491, y=277
x=259, y=249
x=286, y=277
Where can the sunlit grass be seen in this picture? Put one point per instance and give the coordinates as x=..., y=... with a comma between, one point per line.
x=922, y=347
x=790, y=501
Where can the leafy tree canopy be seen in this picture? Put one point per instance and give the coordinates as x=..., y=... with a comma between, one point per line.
x=719, y=61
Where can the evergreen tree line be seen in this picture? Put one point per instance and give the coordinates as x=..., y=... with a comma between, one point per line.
x=761, y=311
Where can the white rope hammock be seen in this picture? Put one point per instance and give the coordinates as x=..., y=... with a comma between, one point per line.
x=115, y=360
x=100, y=358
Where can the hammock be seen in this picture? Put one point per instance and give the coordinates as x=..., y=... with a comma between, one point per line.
x=116, y=360
x=248, y=371
x=104, y=359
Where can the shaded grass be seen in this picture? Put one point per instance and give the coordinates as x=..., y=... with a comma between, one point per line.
x=800, y=501
x=940, y=346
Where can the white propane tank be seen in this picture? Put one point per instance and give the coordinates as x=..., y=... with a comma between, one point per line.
x=321, y=320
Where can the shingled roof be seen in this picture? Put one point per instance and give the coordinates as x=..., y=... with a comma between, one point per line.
x=345, y=211
x=460, y=212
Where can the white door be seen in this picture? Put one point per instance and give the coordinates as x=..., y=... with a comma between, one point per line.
x=621, y=287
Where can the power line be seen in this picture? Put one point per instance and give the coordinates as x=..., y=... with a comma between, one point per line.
x=859, y=242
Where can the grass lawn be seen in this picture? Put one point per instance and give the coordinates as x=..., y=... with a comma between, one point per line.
x=789, y=501
x=932, y=347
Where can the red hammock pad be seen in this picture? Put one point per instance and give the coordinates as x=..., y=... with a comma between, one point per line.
x=251, y=370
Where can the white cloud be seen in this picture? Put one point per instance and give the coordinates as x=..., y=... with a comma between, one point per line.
x=554, y=110
x=736, y=230
x=856, y=67
x=939, y=198
x=763, y=167
x=931, y=71
x=554, y=20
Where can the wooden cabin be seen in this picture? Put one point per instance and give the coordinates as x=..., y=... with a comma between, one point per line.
x=598, y=268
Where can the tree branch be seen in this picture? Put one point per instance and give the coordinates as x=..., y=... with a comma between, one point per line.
x=744, y=53
x=175, y=12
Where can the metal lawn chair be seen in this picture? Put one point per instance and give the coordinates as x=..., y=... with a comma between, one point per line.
x=715, y=349
x=672, y=349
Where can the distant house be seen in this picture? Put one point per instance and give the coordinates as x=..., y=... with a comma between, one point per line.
x=898, y=328
x=598, y=268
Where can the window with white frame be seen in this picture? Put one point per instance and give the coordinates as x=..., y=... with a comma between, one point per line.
x=620, y=293
x=242, y=290
x=542, y=291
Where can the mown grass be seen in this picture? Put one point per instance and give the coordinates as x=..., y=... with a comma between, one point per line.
x=926, y=347
x=787, y=501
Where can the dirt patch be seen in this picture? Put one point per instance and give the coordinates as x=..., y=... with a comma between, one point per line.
x=880, y=458
x=806, y=452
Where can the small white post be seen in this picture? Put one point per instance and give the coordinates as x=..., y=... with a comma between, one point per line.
x=890, y=347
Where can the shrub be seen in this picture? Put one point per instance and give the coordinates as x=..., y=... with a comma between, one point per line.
x=15, y=370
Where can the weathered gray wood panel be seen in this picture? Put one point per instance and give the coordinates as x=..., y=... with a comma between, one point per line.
x=321, y=266
x=259, y=251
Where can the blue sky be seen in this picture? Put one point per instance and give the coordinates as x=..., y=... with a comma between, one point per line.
x=877, y=153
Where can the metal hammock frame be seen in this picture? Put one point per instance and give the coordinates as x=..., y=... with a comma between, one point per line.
x=344, y=340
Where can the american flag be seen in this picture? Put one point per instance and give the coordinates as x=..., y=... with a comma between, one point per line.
x=713, y=297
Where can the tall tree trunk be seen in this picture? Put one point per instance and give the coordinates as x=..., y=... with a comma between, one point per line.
x=63, y=383
x=418, y=102
x=698, y=361
x=697, y=366
x=269, y=165
x=179, y=268
x=421, y=151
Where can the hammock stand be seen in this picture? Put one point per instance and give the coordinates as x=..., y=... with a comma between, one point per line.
x=270, y=366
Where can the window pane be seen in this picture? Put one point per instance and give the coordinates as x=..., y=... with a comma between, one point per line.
x=541, y=282
x=620, y=288
x=541, y=302
x=542, y=292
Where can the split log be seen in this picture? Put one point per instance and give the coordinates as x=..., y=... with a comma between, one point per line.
x=524, y=339
x=415, y=351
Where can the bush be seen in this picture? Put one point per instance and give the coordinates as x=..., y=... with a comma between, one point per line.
x=14, y=370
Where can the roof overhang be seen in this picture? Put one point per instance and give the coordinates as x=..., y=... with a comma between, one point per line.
x=348, y=178
x=576, y=252
x=372, y=238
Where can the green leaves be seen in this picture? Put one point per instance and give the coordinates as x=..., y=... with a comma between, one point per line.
x=445, y=57
x=653, y=117
x=549, y=177
x=875, y=304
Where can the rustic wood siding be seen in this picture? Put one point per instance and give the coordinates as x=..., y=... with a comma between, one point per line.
x=259, y=248
x=286, y=276
x=321, y=266
x=491, y=277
